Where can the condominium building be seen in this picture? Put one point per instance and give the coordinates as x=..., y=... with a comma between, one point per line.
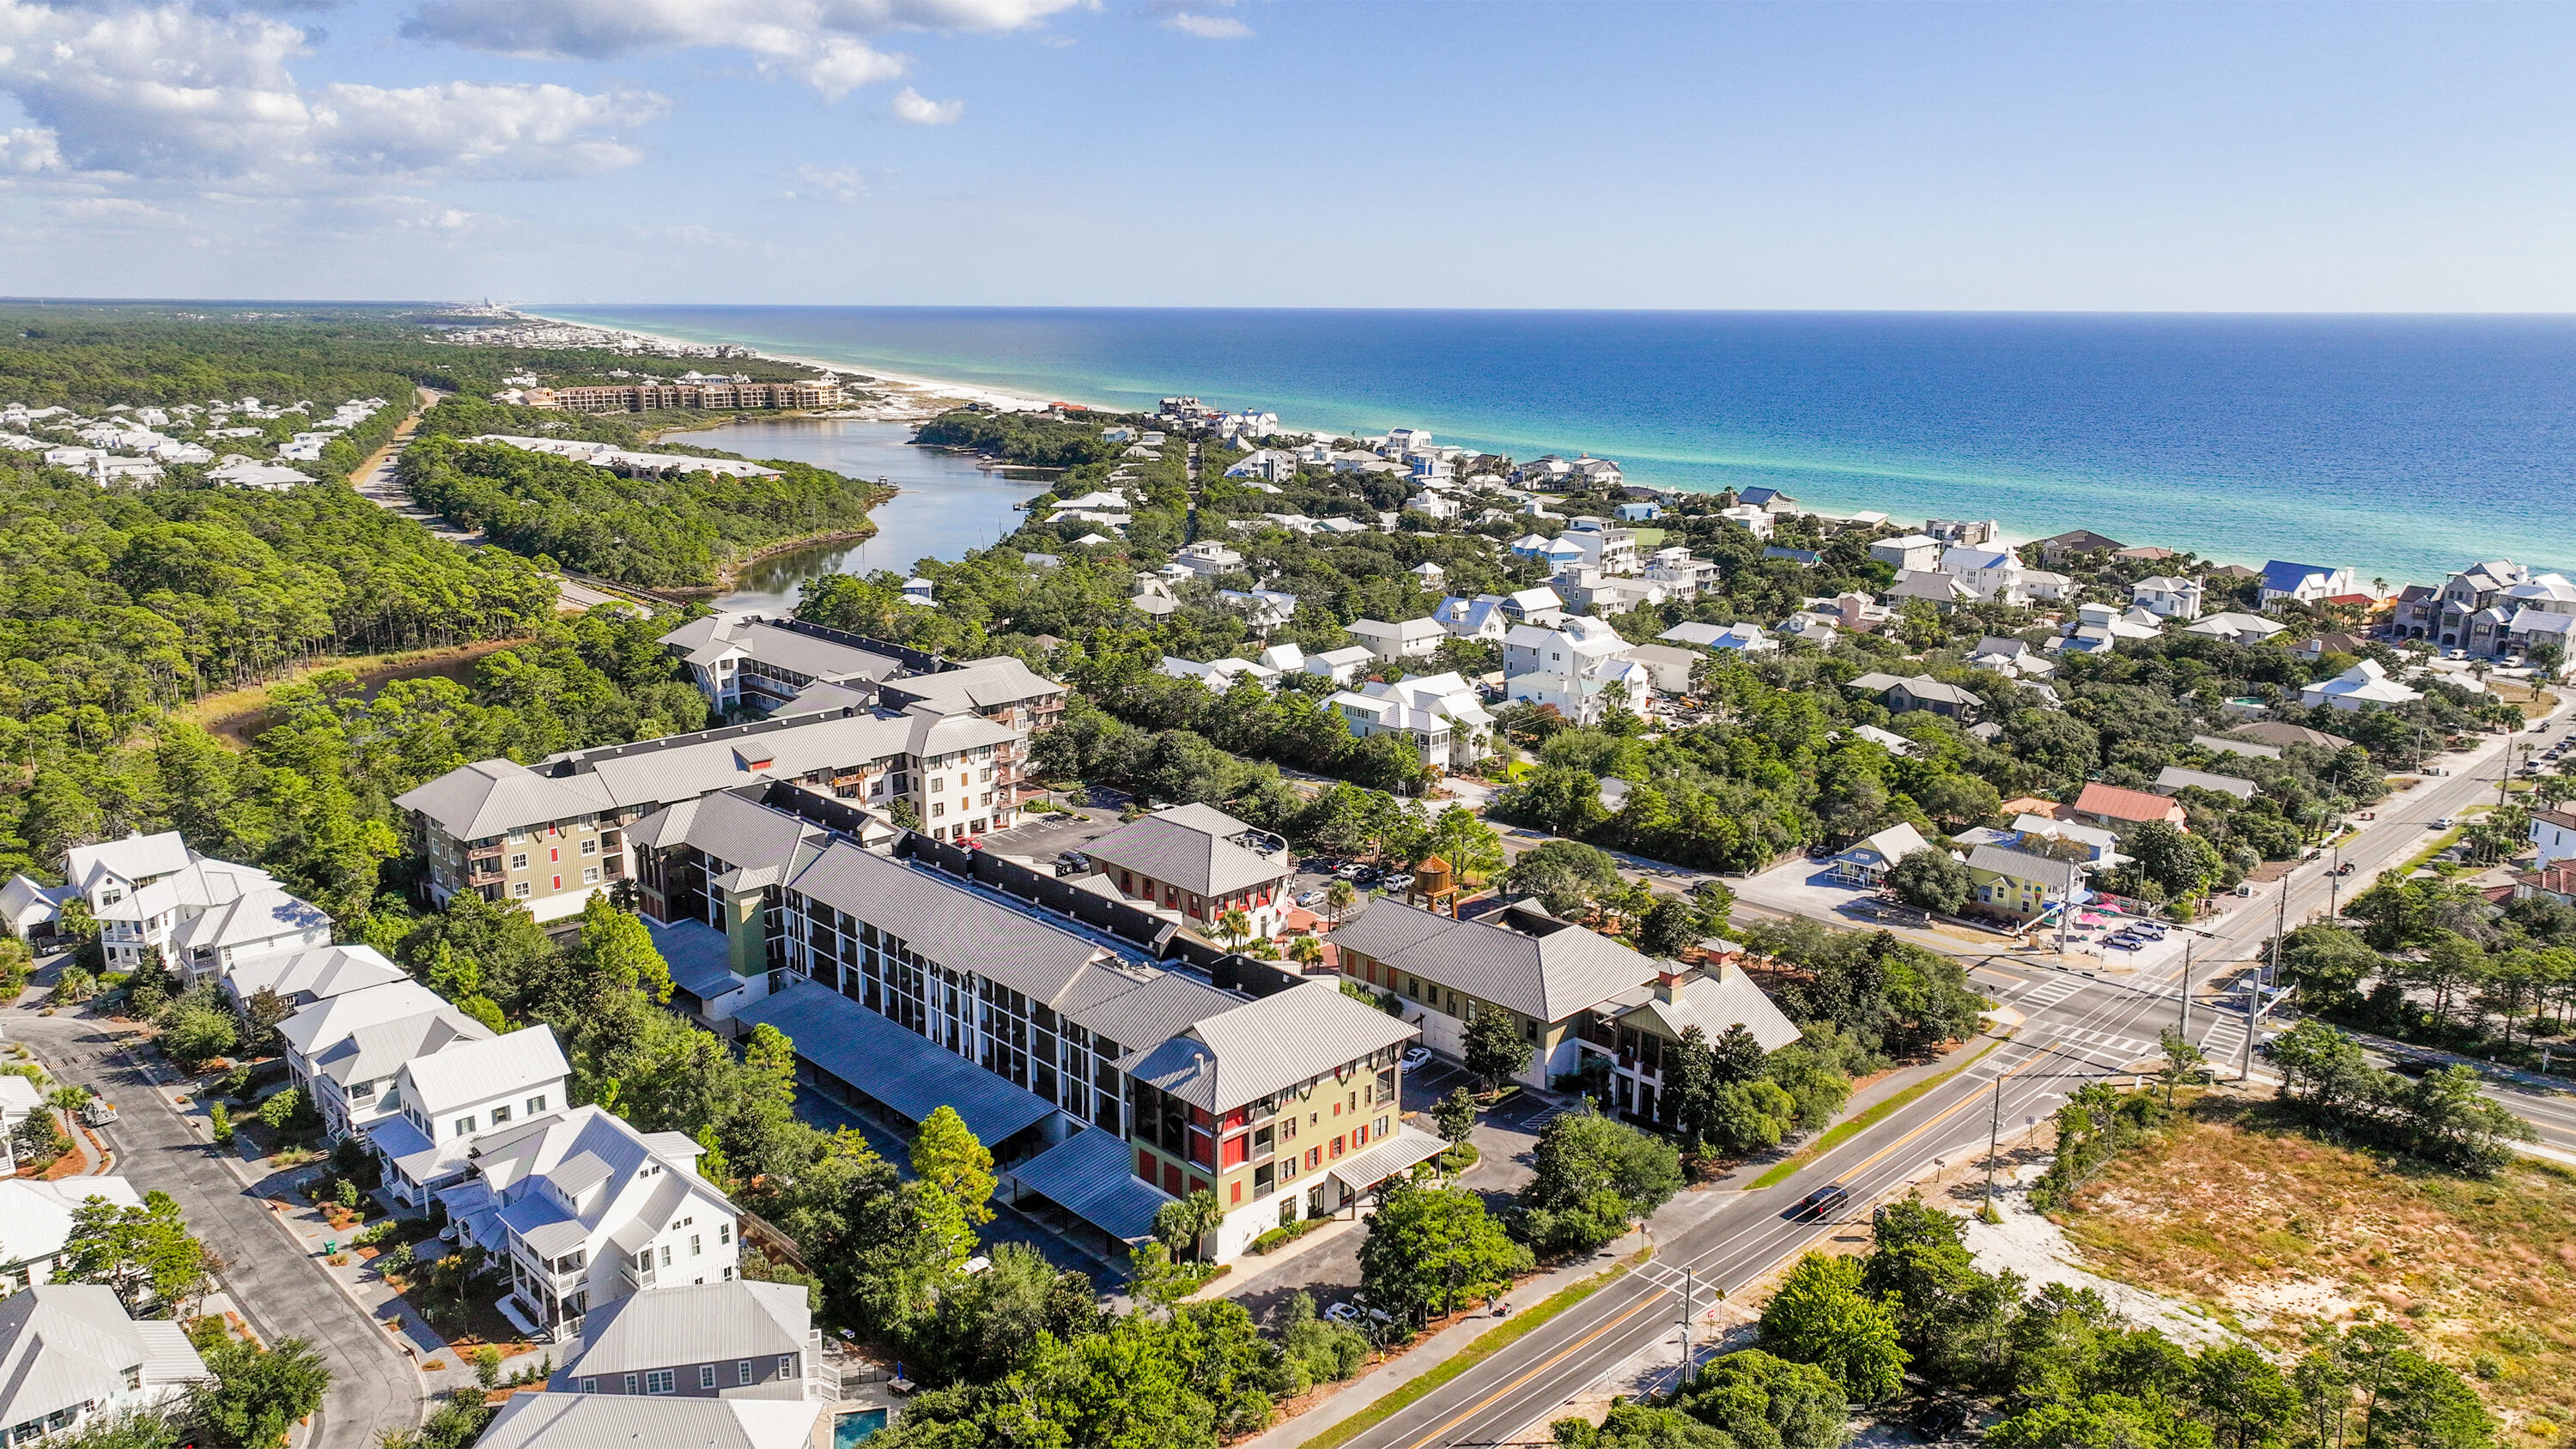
x=1087, y=1043
x=647, y=397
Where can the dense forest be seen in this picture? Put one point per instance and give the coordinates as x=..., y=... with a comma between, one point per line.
x=673, y=532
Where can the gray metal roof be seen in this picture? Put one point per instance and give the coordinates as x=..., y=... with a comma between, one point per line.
x=263, y=915
x=1092, y=1176
x=1713, y=1003
x=1366, y=1169
x=984, y=684
x=326, y=1022
x=904, y=1071
x=661, y=1421
x=1190, y=846
x=313, y=974
x=469, y=1071
x=705, y=640
x=2021, y=865
x=952, y=925
x=2175, y=777
x=383, y=1048
x=700, y=958
x=491, y=797
x=1548, y=977
x=690, y=1324
x=69, y=1344
x=728, y=827
x=1259, y=1047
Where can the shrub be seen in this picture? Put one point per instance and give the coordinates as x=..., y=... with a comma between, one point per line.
x=288, y=1111
x=220, y=1118
x=487, y=1364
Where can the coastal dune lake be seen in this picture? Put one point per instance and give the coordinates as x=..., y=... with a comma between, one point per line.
x=2402, y=445
x=946, y=506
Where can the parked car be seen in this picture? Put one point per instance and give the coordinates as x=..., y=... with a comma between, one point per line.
x=1342, y=1313
x=1415, y=1058
x=2442, y=822
x=1350, y=870
x=1312, y=898
x=1401, y=880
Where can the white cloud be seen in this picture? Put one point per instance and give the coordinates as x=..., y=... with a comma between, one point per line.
x=28, y=151
x=843, y=184
x=915, y=109
x=178, y=95
x=1209, y=27
x=824, y=43
x=120, y=211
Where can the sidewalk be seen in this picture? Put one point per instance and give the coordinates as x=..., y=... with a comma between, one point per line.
x=1429, y=1353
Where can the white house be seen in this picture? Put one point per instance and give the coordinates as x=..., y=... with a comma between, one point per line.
x=1991, y=575
x=1748, y=638
x=204, y=915
x=108, y=872
x=1639, y=512
x=1556, y=553
x=303, y=977
x=1405, y=639
x=1680, y=575
x=1262, y=609
x=2299, y=583
x=1441, y=711
x=1539, y=605
x=1571, y=667
x=561, y=1421
x=2553, y=834
x=1912, y=551
x=353, y=1073
x=585, y=1209
x=2239, y=628
x=36, y=1216
x=1342, y=665
x=70, y=1354
x=1668, y=665
x=2167, y=597
x=30, y=909
x=1611, y=550
x=1208, y=557
x=1428, y=574
x=439, y=1105
x=1480, y=618
x=2364, y=683
x=1219, y=675
x=1437, y=506
x=328, y=1024
x=1868, y=862
x=1755, y=521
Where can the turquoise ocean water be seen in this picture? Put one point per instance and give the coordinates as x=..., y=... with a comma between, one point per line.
x=2404, y=446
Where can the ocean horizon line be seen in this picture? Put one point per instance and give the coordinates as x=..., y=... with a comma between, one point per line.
x=2236, y=511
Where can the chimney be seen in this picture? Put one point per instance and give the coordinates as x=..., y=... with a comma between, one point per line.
x=1667, y=975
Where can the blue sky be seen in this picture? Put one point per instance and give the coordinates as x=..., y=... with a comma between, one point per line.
x=2239, y=157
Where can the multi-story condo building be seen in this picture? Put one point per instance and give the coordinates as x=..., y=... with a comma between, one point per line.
x=646, y=397
x=1087, y=1043
x=744, y=661
x=584, y=1210
x=550, y=836
x=1194, y=863
x=1554, y=979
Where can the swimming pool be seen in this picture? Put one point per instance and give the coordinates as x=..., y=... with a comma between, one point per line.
x=849, y=1429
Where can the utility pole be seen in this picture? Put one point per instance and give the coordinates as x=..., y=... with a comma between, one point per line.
x=2334, y=883
x=1684, y=1376
x=1994, y=1139
x=2185, y=1027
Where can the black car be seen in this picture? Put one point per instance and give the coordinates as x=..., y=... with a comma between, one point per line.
x=1831, y=1198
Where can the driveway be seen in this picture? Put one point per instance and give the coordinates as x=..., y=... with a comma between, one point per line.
x=281, y=1291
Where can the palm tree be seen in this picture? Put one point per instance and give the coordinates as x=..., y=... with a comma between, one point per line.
x=1305, y=951
x=1338, y=898
x=1236, y=925
x=68, y=1099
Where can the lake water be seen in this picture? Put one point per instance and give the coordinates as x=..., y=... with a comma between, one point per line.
x=2406, y=446
x=944, y=508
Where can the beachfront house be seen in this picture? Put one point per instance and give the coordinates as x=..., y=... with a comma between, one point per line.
x=2286, y=583
x=2167, y=597
x=1913, y=551
x=1990, y=575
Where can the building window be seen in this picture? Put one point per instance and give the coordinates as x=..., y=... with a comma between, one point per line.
x=590, y=847
x=519, y=890
x=465, y=1126
x=519, y=861
x=590, y=1386
x=724, y=1232
x=666, y=1255
x=590, y=875
x=706, y=1376
x=500, y=1115
x=693, y=1245
x=787, y=1365
x=660, y=1381
x=630, y=1383
x=536, y=1106
x=742, y=1372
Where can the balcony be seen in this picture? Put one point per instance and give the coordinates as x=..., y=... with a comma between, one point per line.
x=638, y=1279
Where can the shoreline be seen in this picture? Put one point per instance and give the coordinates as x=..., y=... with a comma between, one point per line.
x=2006, y=534
x=731, y=574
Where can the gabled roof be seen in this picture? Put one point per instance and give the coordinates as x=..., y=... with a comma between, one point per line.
x=383, y=1048
x=2048, y=871
x=2114, y=803
x=985, y=684
x=667, y=1421
x=1194, y=847
x=1548, y=976
x=136, y=857
x=326, y=1022
x=2175, y=777
x=490, y=797
x=198, y=884
x=470, y=1071
x=311, y=975
x=2282, y=577
x=702, y=641
x=65, y=1345
x=1713, y=1003
x=1252, y=1049
x=1894, y=843
x=36, y=1216
x=690, y=1324
x=262, y=915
